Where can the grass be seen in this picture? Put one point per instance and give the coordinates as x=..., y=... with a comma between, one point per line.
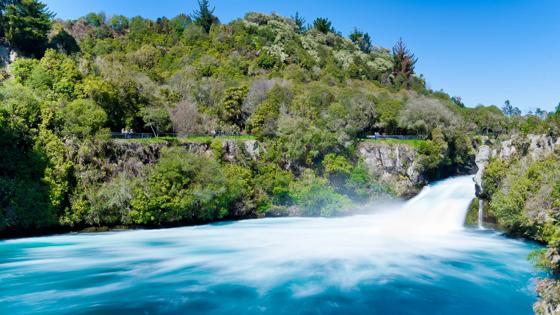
x=415, y=143
x=190, y=139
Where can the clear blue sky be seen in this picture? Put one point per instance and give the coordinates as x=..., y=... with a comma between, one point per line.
x=485, y=51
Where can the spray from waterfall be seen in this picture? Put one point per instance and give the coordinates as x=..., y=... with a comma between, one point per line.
x=480, y=214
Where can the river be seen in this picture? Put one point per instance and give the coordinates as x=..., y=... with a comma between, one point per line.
x=413, y=257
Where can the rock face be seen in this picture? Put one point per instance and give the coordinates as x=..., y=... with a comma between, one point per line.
x=527, y=148
x=7, y=55
x=394, y=165
x=111, y=158
x=548, y=303
x=534, y=146
x=530, y=146
x=481, y=161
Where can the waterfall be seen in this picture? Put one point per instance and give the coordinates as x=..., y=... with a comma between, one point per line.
x=480, y=214
x=439, y=207
x=398, y=258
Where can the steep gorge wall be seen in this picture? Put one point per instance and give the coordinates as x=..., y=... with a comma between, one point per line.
x=111, y=158
x=395, y=165
x=532, y=147
x=524, y=151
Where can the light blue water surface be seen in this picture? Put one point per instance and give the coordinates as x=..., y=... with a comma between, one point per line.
x=411, y=257
x=270, y=266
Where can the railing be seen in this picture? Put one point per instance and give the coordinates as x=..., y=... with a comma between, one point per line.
x=398, y=137
x=137, y=135
x=146, y=135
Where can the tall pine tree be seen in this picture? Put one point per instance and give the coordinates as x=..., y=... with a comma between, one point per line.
x=204, y=16
x=404, y=62
x=363, y=40
x=26, y=25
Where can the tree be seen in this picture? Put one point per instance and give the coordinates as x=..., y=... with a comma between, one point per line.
x=62, y=41
x=188, y=120
x=300, y=23
x=27, y=23
x=231, y=109
x=363, y=40
x=507, y=109
x=404, y=62
x=323, y=25
x=204, y=17
x=156, y=118
x=96, y=19
x=542, y=114
x=3, y=4
x=83, y=118
x=118, y=23
x=422, y=115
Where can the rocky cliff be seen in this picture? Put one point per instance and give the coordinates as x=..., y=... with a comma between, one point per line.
x=394, y=165
x=529, y=147
x=110, y=158
x=525, y=151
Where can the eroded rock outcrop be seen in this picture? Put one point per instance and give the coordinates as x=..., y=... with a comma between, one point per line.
x=394, y=165
x=529, y=146
x=110, y=158
x=525, y=150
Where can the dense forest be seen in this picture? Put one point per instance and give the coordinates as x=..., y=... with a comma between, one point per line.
x=305, y=91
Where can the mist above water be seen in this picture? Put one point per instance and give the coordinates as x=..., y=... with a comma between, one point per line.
x=412, y=257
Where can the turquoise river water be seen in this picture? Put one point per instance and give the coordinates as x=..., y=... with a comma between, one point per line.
x=413, y=257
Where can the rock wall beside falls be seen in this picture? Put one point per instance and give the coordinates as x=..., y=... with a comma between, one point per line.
x=519, y=146
x=395, y=165
x=527, y=211
x=113, y=157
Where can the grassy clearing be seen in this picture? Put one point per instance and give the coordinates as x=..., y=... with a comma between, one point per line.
x=415, y=143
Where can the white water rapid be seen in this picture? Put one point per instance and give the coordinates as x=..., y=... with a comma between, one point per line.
x=411, y=257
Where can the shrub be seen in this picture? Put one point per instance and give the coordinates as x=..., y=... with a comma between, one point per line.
x=315, y=197
x=83, y=118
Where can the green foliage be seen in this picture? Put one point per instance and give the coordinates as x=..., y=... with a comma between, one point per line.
x=524, y=197
x=22, y=69
x=303, y=142
x=26, y=24
x=389, y=110
x=22, y=105
x=24, y=198
x=157, y=119
x=300, y=23
x=404, y=64
x=217, y=149
x=264, y=121
x=183, y=187
x=316, y=197
x=323, y=25
x=275, y=182
x=361, y=39
x=118, y=23
x=83, y=118
x=307, y=94
x=337, y=168
x=109, y=204
x=204, y=16
x=494, y=173
x=433, y=153
x=231, y=112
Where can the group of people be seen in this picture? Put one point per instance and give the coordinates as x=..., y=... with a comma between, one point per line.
x=127, y=132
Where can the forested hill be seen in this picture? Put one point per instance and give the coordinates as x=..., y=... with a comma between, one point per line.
x=304, y=91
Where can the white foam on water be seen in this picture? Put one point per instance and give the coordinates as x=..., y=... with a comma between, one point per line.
x=414, y=239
